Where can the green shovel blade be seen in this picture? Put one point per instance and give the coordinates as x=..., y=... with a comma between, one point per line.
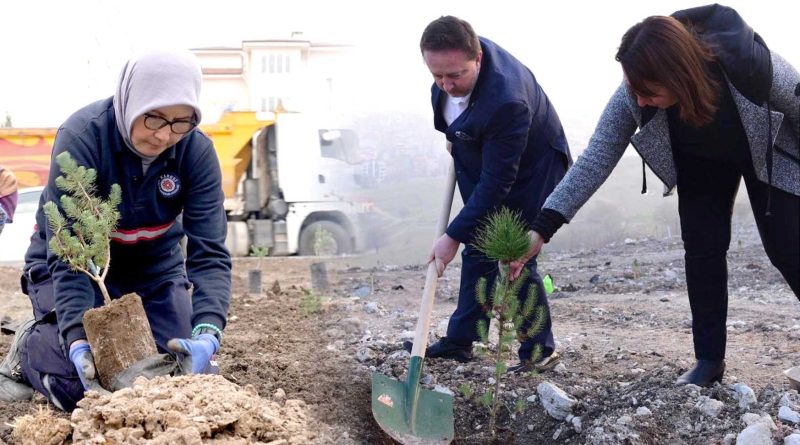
x=428, y=421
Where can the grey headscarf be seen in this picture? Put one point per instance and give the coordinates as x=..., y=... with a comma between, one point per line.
x=153, y=80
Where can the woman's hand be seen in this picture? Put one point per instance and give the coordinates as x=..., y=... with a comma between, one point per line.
x=515, y=267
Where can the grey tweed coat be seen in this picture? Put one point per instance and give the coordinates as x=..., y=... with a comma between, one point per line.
x=622, y=117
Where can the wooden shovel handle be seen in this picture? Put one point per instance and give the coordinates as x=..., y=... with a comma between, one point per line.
x=424, y=321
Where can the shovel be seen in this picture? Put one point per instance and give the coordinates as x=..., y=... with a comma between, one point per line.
x=408, y=413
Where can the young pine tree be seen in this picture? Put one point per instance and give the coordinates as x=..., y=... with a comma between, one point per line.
x=81, y=237
x=504, y=238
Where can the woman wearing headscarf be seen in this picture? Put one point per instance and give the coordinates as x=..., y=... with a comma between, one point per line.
x=144, y=138
x=712, y=105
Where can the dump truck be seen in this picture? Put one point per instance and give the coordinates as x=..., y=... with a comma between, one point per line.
x=287, y=181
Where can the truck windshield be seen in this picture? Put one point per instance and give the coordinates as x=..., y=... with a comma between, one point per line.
x=339, y=144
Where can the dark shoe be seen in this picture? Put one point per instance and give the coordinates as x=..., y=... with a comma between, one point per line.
x=12, y=384
x=444, y=348
x=545, y=364
x=704, y=373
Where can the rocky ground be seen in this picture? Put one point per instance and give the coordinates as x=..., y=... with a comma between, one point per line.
x=621, y=320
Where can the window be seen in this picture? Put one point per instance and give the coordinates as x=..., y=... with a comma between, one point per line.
x=278, y=63
x=269, y=103
x=339, y=144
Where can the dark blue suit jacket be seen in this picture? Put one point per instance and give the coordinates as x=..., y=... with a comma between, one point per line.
x=509, y=147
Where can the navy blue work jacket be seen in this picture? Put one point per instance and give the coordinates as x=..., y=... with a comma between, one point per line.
x=507, y=126
x=180, y=194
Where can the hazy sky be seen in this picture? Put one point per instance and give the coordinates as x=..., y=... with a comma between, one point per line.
x=61, y=55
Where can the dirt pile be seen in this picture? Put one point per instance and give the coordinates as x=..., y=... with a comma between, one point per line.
x=42, y=428
x=622, y=324
x=183, y=410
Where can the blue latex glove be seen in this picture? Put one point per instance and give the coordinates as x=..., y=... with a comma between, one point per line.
x=81, y=356
x=197, y=351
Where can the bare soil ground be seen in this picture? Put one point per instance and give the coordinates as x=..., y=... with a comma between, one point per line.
x=621, y=320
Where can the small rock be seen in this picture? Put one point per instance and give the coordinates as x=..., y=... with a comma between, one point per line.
x=426, y=379
x=371, y=307
x=728, y=439
x=753, y=418
x=363, y=355
x=441, y=327
x=756, y=434
x=556, y=402
x=576, y=424
x=560, y=369
x=625, y=420
x=443, y=389
x=407, y=335
x=279, y=395
x=744, y=394
x=337, y=345
x=791, y=399
x=401, y=354
x=643, y=411
x=787, y=414
x=362, y=292
x=708, y=406
x=792, y=439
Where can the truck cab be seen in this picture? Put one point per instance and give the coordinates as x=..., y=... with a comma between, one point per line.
x=293, y=184
x=287, y=180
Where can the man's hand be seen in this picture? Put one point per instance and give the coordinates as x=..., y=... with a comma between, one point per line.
x=197, y=351
x=515, y=267
x=443, y=252
x=81, y=356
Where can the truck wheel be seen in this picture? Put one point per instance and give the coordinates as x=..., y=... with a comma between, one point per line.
x=324, y=238
x=238, y=239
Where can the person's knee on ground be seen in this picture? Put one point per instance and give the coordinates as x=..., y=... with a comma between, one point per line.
x=13, y=386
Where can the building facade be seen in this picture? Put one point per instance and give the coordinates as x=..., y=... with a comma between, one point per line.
x=270, y=75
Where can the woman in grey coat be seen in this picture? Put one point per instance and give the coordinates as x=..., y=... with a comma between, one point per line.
x=712, y=105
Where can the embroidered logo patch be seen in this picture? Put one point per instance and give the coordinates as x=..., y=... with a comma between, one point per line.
x=169, y=185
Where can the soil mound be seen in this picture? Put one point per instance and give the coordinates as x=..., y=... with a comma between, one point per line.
x=179, y=410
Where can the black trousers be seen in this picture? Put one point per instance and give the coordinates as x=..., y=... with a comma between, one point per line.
x=706, y=192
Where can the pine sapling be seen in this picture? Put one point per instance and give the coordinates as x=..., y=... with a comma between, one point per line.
x=81, y=237
x=118, y=332
x=503, y=238
x=259, y=252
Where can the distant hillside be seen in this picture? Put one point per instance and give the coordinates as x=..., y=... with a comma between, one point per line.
x=618, y=210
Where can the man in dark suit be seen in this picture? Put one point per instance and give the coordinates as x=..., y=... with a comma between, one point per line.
x=508, y=148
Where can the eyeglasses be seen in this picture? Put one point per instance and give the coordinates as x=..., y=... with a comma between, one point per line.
x=153, y=122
